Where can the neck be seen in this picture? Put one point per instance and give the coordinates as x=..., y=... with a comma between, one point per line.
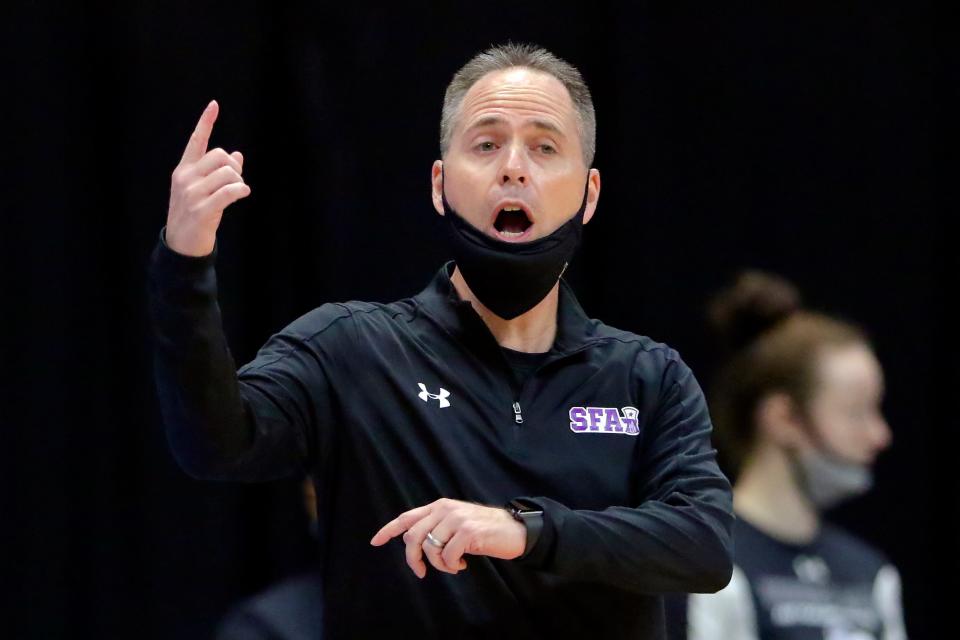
x=768, y=495
x=531, y=332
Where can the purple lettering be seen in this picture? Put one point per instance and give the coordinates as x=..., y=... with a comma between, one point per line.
x=612, y=422
x=578, y=419
x=605, y=420
x=595, y=414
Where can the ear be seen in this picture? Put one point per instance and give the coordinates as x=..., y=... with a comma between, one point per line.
x=436, y=181
x=780, y=421
x=593, y=194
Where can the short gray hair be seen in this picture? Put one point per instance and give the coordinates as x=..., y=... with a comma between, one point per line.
x=528, y=56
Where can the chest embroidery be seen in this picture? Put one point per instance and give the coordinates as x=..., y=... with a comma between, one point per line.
x=604, y=420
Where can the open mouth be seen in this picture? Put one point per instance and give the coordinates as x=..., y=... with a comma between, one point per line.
x=511, y=222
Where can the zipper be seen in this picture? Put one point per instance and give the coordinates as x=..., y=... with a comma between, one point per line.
x=517, y=411
x=518, y=392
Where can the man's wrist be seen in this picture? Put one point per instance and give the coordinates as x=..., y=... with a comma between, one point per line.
x=196, y=253
x=531, y=516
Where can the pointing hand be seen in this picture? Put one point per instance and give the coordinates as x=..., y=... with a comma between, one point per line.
x=202, y=186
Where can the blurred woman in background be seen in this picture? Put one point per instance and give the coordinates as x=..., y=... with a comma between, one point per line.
x=796, y=408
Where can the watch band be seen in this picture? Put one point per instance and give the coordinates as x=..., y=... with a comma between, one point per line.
x=532, y=518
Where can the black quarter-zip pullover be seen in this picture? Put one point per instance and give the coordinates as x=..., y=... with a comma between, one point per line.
x=392, y=406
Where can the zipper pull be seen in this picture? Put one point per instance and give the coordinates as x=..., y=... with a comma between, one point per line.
x=517, y=416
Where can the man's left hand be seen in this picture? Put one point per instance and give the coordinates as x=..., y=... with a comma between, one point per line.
x=462, y=527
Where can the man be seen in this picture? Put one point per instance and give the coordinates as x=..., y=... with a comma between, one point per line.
x=534, y=472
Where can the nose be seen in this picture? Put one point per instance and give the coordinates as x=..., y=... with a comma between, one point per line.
x=514, y=167
x=881, y=434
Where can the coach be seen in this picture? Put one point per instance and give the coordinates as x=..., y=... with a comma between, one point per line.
x=523, y=470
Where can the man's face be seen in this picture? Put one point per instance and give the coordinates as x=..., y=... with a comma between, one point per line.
x=515, y=168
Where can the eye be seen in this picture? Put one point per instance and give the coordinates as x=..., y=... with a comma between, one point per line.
x=486, y=146
x=548, y=149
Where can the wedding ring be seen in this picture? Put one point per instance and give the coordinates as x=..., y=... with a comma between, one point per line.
x=433, y=540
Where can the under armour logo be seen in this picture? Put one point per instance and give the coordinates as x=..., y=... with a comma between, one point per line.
x=439, y=397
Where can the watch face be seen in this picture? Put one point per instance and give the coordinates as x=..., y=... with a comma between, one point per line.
x=523, y=510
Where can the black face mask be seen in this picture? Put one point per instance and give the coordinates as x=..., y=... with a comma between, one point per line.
x=510, y=278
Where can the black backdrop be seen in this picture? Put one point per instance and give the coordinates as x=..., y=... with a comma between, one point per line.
x=803, y=142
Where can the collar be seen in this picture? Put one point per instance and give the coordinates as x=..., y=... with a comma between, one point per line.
x=442, y=303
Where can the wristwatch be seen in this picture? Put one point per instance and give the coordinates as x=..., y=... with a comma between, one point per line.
x=531, y=516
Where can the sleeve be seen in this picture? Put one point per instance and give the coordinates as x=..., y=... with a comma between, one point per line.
x=887, y=595
x=678, y=537
x=728, y=614
x=257, y=424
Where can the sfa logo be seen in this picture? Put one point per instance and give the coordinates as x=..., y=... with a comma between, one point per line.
x=604, y=420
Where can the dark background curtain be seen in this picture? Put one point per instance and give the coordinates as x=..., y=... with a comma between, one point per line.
x=801, y=142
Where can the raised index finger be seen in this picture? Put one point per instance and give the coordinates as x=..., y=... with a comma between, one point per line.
x=197, y=146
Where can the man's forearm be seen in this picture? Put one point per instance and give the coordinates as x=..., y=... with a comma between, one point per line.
x=659, y=547
x=195, y=373
x=678, y=538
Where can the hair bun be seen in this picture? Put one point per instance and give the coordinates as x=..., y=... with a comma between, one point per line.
x=753, y=304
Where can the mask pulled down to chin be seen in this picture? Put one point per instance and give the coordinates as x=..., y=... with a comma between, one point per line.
x=510, y=278
x=828, y=480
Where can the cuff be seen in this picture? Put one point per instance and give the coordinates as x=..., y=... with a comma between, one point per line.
x=179, y=280
x=168, y=260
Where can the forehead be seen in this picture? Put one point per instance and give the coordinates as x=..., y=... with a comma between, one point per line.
x=850, y=369
x=518, y=94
